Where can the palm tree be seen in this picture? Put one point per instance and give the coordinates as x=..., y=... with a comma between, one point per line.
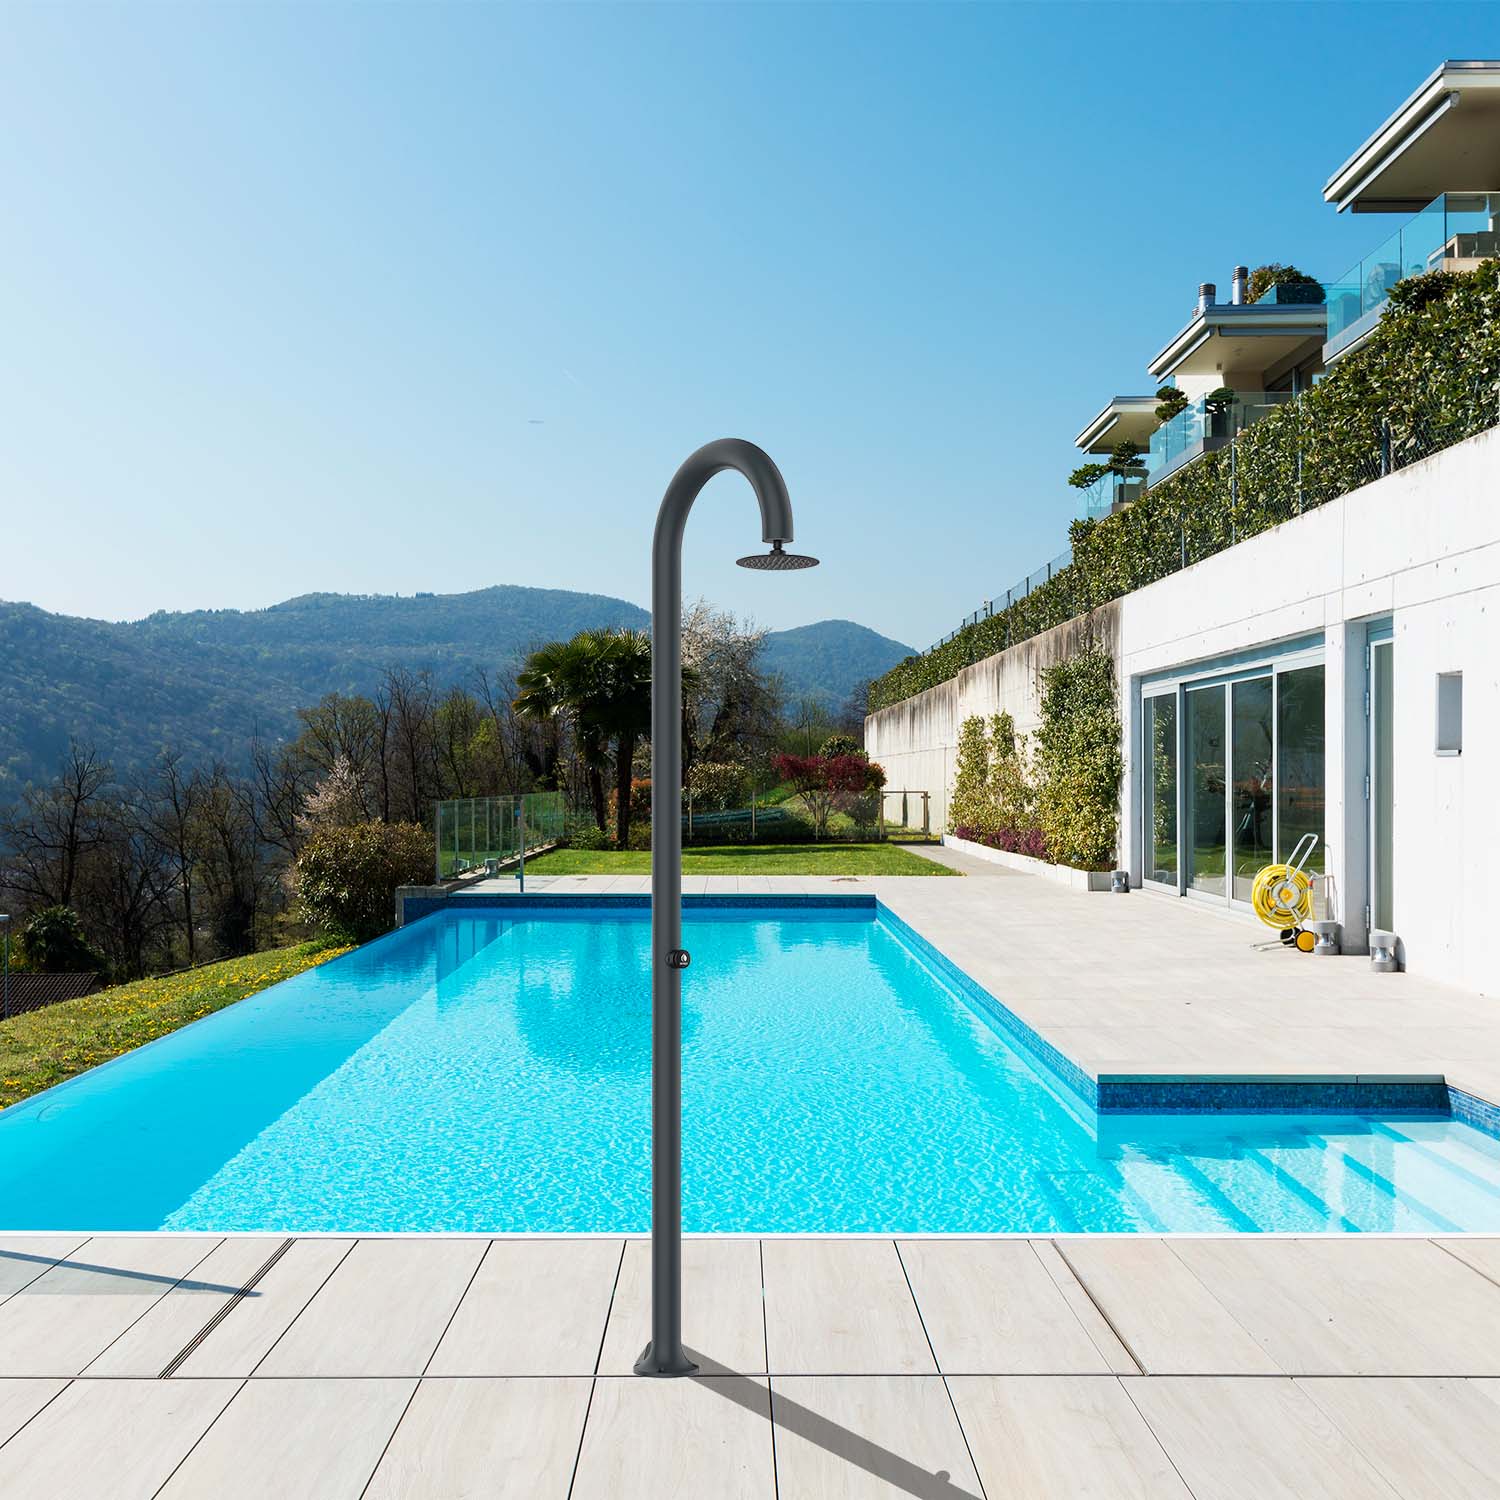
x=623, y=713
x=562, y=680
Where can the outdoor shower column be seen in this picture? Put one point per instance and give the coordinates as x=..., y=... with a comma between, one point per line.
x=664, y=1355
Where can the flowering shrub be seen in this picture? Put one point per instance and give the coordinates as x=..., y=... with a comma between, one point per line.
x=1029, y=841
x=831, y=783
x=347, y=877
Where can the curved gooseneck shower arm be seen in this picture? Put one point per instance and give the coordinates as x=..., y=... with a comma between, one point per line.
x=664, y=1355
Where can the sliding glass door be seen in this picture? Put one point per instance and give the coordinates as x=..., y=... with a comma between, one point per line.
x=1382, y=785
x=1205, y=846
x=1232, y=778
x=1159, y=793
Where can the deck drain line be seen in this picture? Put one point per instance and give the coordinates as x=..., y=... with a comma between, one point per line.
x=224, y=1312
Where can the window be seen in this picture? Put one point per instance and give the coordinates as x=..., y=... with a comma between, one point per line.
x=1450, y=713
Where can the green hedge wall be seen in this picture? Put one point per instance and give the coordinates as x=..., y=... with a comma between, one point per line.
x=1427, y=377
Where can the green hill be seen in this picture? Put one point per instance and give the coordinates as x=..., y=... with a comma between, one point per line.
x=206, y=680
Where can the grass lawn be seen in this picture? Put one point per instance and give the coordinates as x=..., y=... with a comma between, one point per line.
x=744, y=859
x=45, y=1046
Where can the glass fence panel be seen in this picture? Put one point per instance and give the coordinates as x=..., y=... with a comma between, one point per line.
x=479, y=834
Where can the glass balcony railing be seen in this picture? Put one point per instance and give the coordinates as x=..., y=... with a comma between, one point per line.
x=1203, y=426
x=1452, y=226
x=1109, y=492
x=1294, y=294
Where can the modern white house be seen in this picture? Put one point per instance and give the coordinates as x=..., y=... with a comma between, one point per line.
x=1431, y=171
x=1336, y=675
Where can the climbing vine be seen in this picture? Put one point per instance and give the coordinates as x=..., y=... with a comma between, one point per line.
x=1428, y=376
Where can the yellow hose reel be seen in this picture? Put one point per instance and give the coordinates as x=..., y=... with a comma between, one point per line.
x=1282, y=896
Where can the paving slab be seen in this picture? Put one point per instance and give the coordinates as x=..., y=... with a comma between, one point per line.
x=1243, y=1439
x=721, y=1295
x=1456, y=1457
x=503, y=1439
x=309, y=1438
x=381, y=1312
x=253, y=1325
x=165, y=1330
x=1353, y=1305
x=66, y=1317
x=1164, y=1315
x=115, y=1438
x=841, y=1307
x=990, y=1306
x=1041, y=1438
x=534, y=1307
x=677, y=1440
x=870, y=1438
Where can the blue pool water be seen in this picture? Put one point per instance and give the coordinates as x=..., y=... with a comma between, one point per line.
x=489, y=1071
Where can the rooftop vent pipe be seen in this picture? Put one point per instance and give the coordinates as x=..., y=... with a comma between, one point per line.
x=1206, y=293
x=1240, y=288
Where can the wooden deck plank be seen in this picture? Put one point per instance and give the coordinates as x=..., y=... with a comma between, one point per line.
x=381, y=1312
x=115, y=1438
x=535, y=1307
x=841, y=1307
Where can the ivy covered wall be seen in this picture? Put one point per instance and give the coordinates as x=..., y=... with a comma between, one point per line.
x=1427, y=377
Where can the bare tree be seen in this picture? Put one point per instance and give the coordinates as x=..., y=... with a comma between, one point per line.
x=51, y=831
x=167, y=801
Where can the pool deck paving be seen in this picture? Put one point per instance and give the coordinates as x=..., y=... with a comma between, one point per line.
x=412, y=1367
x=428, y=1368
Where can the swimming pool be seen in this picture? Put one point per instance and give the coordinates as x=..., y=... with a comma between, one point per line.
x=489, y=1070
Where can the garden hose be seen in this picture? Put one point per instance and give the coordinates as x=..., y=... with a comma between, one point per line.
x=1282, y=895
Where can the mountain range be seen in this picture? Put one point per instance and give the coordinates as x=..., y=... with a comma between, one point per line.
x=206, y=680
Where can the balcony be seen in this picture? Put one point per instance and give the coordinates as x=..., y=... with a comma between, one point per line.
x=1204, y=425
x=1453, y=229
x=1111, y=492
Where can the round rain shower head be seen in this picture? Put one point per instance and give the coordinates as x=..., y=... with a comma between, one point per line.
x=777, y=561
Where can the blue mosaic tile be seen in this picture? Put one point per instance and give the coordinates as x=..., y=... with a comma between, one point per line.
x=1469, y=1109
x=1269, y=1096
x=989, y=1009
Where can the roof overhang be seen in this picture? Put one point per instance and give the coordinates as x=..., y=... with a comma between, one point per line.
x=1124, y=419
x=1444, y=138
x=1252, y=336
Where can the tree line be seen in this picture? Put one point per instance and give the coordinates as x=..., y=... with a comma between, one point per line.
x=177, y=863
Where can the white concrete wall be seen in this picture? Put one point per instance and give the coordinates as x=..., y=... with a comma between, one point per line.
x=916, y=740
x=1422, y=547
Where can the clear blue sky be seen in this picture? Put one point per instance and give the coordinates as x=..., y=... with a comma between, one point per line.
x=379, y=299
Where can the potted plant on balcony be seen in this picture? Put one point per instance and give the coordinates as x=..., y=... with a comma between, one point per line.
x=1125, y=463
x=1172, y=401
x=1218, y=413
x=1291, y=285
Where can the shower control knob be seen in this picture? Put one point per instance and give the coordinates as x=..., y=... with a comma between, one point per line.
x=678, y=958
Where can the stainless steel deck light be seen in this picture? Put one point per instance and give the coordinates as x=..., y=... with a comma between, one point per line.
x=664, y=1355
